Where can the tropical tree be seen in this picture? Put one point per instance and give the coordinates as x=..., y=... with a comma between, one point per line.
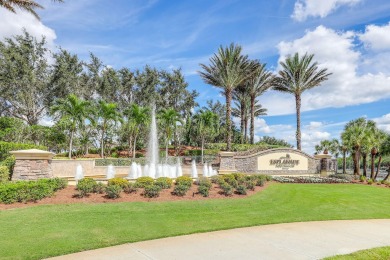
x=335, y=149
x=137, y=117
x=206, y=125
x=26, y=5
x=299, y=74
x=107, y=113
x=354, y=136
x=242, y=99
x=72, y=110
x=228, y=69
x=376, y=140
x=260, y=81
x=169, y=119
x=344, y=150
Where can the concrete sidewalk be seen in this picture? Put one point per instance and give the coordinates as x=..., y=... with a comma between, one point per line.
x=303, y=240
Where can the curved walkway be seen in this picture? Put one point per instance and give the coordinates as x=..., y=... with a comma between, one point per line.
x=303, y=240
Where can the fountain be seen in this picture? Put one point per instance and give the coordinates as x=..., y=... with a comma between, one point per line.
x=110, y=172
x=133, y=174
x=210, y=170
x=194, y=171
x=79, y=173
x=153, y=149
x=205, y=170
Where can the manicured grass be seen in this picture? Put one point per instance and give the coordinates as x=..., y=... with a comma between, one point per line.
x=379, y=253
x=43, y=231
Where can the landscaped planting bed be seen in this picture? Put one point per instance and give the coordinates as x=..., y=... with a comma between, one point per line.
x=308, y=179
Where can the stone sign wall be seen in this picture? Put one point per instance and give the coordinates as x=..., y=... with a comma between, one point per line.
x=281, y=161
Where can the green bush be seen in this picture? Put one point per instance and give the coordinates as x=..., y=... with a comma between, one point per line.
x=250, y=185
x=99, y=188
x=142, y=182
x=86, y=186
x=216, y=178
x=204, y=182
x=362, y=178
x=204, y=190
x=26, y=191
x=130, y=188
x=230, y=179
x=115, y=155
x=9, y=162
x=4, y=174
x=152, y=191
x=241, y=189
x=113, y=191
x=164, y=182
x=181, y=189
x=184, y=180
x=370, y=181
x=119, y=182
x=227, y=189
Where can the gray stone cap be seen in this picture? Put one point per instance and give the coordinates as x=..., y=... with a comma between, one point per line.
x=322, y=156
x=32, y=154
x=275, y=150
x=227, y=154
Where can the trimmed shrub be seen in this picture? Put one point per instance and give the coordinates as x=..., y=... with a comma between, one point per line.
x=204, y=182
x=241, y=189
x=164, y=182
x=184, y=180
x=204, y=190
x=9, y=162
x=4, y=174
x=26, y=191
x=260, y=182
x=152, y=191
x=227, y=189
x=85, y=186
x=142, y=182
x=362, y=178
x=370, y=181
x=99, y=188
x=119, y=182
x=113, y=191
x=250, y=185
x=130, y=188
x=181, y=190
x=216, y=178
x=231, y=180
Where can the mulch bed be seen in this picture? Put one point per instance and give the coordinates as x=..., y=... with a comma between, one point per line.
x=66, y=196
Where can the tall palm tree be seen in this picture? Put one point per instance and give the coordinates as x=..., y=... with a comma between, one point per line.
x=26, y=5
x=169, y=118
x=228, y=69
x=298, y=75
x=260, y=81
x=241, y=103
x=206, y=123
x=107, y=113
x=335, y=149
x=73, y=110
x=137, y=116
x=377, y=138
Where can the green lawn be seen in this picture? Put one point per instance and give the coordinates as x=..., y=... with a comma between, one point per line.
x=379, y=253
x=51, y=230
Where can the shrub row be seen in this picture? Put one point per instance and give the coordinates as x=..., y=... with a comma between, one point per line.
x=308, y=179
x=26, y=191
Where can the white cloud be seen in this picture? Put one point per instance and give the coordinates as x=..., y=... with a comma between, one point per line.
x=13, y=24
x=383, y=122
x=346, y=86
x=314, y=125
x=376, y=37
x=318, y=8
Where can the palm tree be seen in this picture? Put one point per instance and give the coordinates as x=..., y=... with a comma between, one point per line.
x=169, y=118
x=298, y=75
x=137, y=116
x=206, y=123
x=228, y=69
x=26, y=5
x=354, y=136
x=344, y=150
x=257, y=84
x=107, y=113
x=73, y=110
x=240, y=110
x=377, y=138
x=335, y=150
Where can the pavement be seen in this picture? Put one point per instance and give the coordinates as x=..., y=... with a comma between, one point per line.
x=301, y=240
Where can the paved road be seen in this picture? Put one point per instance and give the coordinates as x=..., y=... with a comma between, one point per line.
x=304, y=240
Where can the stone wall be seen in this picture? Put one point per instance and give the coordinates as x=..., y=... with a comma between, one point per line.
x=249, y=162
x=32, y=169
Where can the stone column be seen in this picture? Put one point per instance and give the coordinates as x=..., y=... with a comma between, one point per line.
x=227, y=164
x=325, y=164
x=32, y=164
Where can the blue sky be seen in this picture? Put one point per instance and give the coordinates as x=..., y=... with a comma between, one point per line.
x=349, y=37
